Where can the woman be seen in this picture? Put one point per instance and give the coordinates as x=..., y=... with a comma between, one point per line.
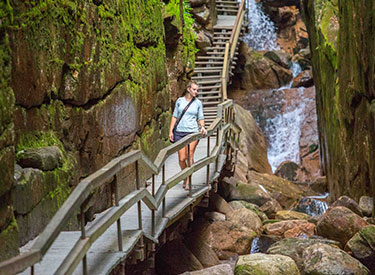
x=188, y=124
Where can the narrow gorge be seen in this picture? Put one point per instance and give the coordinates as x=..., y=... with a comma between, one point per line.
x=83, y=82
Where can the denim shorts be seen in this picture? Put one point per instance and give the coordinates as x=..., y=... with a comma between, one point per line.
x=179, y=135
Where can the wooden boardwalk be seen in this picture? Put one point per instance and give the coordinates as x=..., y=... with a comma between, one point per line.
x=104, y=254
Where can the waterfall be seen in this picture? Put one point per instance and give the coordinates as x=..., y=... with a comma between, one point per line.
x=284, y=132
x=262, y=35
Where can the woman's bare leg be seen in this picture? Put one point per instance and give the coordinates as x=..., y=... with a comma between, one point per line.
x=182, y=160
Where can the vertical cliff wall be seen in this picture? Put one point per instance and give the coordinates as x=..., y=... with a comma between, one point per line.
x=89, y=83
x=8, y=225
x=342, y=40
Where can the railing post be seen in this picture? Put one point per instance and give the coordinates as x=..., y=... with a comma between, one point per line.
x=32, y=270
x=208, y=165
x=190, y=177
x=141, y=244
x=163, y=183
x=83, y=236
x=153, y=211
x=115, y=202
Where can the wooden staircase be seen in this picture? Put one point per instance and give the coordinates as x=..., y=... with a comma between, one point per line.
x=208, y=71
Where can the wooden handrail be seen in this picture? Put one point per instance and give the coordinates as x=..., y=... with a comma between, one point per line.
x=99, y=178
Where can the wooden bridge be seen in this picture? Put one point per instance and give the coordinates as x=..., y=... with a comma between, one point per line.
x=137, y=222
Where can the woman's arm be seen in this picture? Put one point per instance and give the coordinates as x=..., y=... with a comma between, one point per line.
x=173, y=122
x=203, y=129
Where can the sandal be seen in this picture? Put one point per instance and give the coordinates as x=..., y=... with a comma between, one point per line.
x=184, y=185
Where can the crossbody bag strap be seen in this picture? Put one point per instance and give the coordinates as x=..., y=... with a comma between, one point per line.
x=182, y=114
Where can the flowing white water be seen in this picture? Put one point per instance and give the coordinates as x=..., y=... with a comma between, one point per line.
x=262, y=35
x=284, y=132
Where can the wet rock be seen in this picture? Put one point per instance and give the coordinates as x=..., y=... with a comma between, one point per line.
x=314, y=219
x=221, y=269
x=324, y=259
x=214, y=216
x=270, y=208
x=18, y=171
x=340, y=224
x=217, y=203
x=252, y=154
x=291, y=215
x=366, y=205
x=262, y=243
x=294, y=248
x=319, y=184
x=197, y=3
x=303, y=58
x=290, y=228
x=287, y=170
x=228, y=236
x=246, y=218
x=250, y=206
x=45, y=158
x=250, y=192
x=176, y=258
x=278, y=3
x=311, y=206
x=362, y=246
x=280, y=57
x=203, y=41
x=285, y=192
x=201, y=15
x=202, y=251
x=347, y=202
x=304, y=79
x=261, y=72
x=260, y=263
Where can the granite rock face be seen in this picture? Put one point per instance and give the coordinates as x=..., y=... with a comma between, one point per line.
x=343, y=68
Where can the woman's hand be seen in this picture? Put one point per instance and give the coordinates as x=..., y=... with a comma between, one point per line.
x=171, y=137
x=203, y=131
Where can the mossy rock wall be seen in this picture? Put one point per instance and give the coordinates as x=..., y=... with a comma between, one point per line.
x=343, y=54
x=8, y=225
x=90, y=77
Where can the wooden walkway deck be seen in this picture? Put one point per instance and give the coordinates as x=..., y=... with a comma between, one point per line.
x=104, y=255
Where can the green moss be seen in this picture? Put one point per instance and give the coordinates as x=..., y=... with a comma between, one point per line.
x=9, y=241
x=37, y=140
x=248, y=270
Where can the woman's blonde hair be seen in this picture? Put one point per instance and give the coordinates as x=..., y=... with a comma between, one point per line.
x=191, y=82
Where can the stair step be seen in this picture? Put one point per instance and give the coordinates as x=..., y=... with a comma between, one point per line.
x=213, y=57
x=219, y=43
x=227, y=2
x=213, y=93
x=209, y=87
x=211, y=102
x=207, y=77
x=200, y=69
x=208, y=63
x=208, y=97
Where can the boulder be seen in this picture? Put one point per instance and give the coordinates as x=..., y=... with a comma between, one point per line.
x=349, y=203
x=250, y=192
x=291, y=215
x=201, y=14
x=304, y=79
x=197, y=3
x=312, y=207
x=220, y=269
x=246, y=218
x=176, y=258
x=280, y=57
x=250, y=206
x=319, y=184
x=366, y=205
x=362, y=246
x=303, y=58
x=340, y=224
x=217, y=203
x=44, y=158
x=324, y=259
x=285, y=192
x=203, y=41
x=228, y=236
x=270, y=208
x=252, y=154
x=290, y=228
x=215, y=216
x=260, y=263
x=294, y=248
x=262, y=243
x=287, y=170
x=202, y=251
x=261, y=72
